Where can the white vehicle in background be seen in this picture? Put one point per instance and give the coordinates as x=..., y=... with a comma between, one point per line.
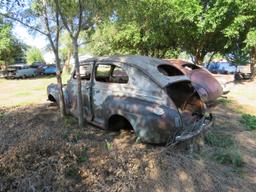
x=20, y=71
x=243, y=72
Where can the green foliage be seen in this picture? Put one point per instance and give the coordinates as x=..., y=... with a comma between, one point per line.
x=11, y=50
x=2, y=114
x=83, y=157
x=156, y=28
x=217, y=140
x=224, y=101
x=249, y=121
x=225, y=151
x=34, y=55
x=109, y=145
x=238, y=57
x=72, y=172
x=251, y=38
x=229, y=156
x=70, y=121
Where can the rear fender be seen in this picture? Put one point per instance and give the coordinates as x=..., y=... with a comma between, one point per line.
x=151, y=122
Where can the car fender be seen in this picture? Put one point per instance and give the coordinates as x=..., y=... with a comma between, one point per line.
x=152, y=123
x=52, y=90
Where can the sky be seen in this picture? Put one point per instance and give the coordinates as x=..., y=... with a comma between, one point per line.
x=33, y=40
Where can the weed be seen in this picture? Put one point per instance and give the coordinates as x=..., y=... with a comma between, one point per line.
x=225, y=153
x=82, y=159
x=69, y=120
x=66, y=134
x=109, y=145
x=72, y=172
x=83, y=155
x=224, y=101
x=138, y=139
x=249, y=121
x=229, y=156
x=2, y=114
x=217, y=140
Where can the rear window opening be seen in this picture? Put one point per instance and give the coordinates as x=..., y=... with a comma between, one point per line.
x=169, y=70
x=187, y=101
x=190, y=66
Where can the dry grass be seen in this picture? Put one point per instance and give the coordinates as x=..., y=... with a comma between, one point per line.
x=41, y=152
x=18, y=92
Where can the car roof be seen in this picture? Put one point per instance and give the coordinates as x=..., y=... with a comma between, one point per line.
x=178, y=61
x=146, y=64
x=18, y=65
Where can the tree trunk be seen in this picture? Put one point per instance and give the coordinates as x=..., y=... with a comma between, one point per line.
x=78, y=78
x=199, y=57
x=5, y=62
x=199, y=60
x=67, y=67
x=59, y=83
x=253, y=62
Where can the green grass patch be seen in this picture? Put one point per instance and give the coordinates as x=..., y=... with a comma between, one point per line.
x=249, y=121
x=225, y=151
x=21, y=94
x=218, y=140
x=229, y=156
x=224, y=101
x=69, y=120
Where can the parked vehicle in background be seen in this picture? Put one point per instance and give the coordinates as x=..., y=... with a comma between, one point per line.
x=20, y=71
x=221, y=67
x=1, y=74
x=49, y=70
x=39, y=66
x=243, y=72
x=203, y=81
x=139, y=93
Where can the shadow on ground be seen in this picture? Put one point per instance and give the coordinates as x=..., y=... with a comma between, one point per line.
x=41, y=152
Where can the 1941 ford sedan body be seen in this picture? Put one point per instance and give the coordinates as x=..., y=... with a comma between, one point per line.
x=136, y=92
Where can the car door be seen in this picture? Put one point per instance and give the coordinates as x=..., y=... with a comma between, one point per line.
x=85, y=73
x=110, y=80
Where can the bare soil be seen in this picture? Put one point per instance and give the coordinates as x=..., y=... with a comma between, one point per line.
x=41, y=152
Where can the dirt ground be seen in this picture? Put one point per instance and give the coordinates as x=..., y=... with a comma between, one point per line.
x=41, y=152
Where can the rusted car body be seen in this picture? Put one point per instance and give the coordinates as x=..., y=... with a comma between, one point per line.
x=139, y=93
x=204, y=82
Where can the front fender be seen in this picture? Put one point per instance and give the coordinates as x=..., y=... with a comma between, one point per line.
x=53, y=90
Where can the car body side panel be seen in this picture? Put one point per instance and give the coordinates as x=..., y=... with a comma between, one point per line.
x=151, y=122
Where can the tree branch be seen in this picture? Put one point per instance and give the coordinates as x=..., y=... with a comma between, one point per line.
x=23, y=23
x=63, y=18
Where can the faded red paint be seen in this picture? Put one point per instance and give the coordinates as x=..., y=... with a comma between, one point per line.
x=204, y=82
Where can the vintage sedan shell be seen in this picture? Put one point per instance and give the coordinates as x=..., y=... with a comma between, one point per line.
x=139, y=93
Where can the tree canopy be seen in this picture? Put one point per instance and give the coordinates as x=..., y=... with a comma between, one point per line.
x=11, y=49
x=33, y=55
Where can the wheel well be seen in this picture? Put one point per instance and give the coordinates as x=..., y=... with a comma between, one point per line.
x=117, y=122
x=51, y=98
